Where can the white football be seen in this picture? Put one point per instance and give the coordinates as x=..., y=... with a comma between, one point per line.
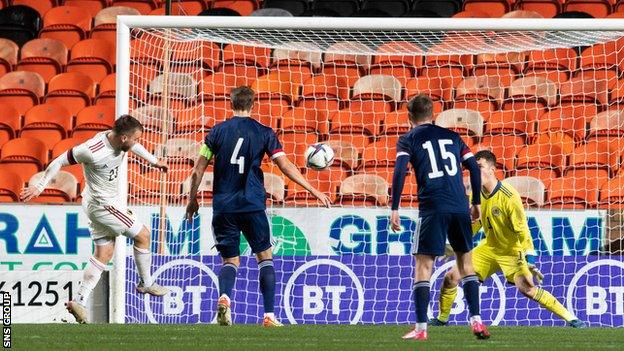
x=319, y=156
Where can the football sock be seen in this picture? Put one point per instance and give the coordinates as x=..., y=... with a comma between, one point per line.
x=550, y=302
x=421, y=301
x=267, y=284
x=90, y=278
x=227, y=277
x=143, y=260
x=470, y=284
x=447, y=297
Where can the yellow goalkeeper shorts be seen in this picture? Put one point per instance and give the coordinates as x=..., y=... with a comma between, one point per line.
x=486, y=263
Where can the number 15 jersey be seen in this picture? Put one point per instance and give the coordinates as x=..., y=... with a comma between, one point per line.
x=436, y=154
x=239, y=145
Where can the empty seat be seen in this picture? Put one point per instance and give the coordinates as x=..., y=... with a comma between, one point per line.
x=69, y=24
x=546, y=8
x=558, y=121
x=555, y=64
x=182, y=150
x=93, y=119
x=510, y=122
x=326, y=181
x=8, y=55
x=363, y=189
x=505, y=66
x=376, y=93
x=531, y=190
x=607, y=125
x=396, y=123
x=143, y=6
x=204, y=191
x=181, y=90
x=49, y=123
x=345, y=154
x=91, y=6
x=324, y=93
x=19, y=24
x=380, y=154
x=299, y=59
x=105, y=22
x=573, y=193
x=347, y=59
x=63, y=187
x=541, y=156
x=464, y=121
x=155, y=120
x=479, y=93
x=521, y=14
x=21, y=90
x=92, y=57
x=602, y=62
x=107, y=90
x=73, y=90
x=531, y=94
x=356, y=122
x=494, y=8
x=9, y=123
x=47, y=57
x=41, y=6
x=398, y=59
x=440, y=90
x=472, y=14
x=304, y=120
x=295, y=145
x=582, y=97
x=238, y=59
x=595, y=155
x=11, y=185
x=25, y=156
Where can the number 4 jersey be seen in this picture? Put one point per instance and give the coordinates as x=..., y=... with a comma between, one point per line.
x=436, y=155
x=239, y=145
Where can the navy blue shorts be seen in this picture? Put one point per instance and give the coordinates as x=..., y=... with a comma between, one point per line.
x=433, y=230
x=227, y=227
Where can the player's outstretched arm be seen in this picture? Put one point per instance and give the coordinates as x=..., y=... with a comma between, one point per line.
x=398, y=181
x=53, y=168
x=142, y=152
x=196, y=178
x=291, y=171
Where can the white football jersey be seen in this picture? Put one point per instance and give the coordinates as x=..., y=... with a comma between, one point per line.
x=100, y=163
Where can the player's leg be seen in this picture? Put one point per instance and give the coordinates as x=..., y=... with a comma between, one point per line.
x=447, y=296
x=460, y=238
x=257, y=231
x=143, y=260
x=104, y=249
x=523, y=279
x=227, y=241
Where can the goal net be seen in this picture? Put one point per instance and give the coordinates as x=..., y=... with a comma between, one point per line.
x=546, y=102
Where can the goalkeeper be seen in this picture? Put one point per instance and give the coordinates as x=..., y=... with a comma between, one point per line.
x=507, y=247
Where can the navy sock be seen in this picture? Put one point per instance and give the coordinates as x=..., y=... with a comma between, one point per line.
x=470, y=284
x=227, y=277
x=421, y=300
x=267, y=284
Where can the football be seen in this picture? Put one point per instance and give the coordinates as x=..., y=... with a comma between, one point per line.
x=319, y=156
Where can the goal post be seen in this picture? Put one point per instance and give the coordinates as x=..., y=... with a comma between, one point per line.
x=542, y=94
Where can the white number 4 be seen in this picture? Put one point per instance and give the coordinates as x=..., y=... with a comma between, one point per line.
x=446, y=155
x=240, y=161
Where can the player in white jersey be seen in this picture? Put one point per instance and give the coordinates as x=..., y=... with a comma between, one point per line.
x=101, y=157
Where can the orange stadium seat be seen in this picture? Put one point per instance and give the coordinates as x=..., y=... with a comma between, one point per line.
x=558, y=121
x=304, y=120
x=107, y=90
x=347, y=66
x=182, y=91
x=546, y=8
x=606, y=125
x=47, y=57
x=143, y=6
x=541, y=156
x=184, y=7
x=356, y=122
x=11, y=185
x=509, y=122
x=364, y=189
x=602, y=62
x=583, y=98
x=93, y=57
x=494, y=8
x=298, y=64
x=93, y=119
x=346, y=155
x=533, y=95
x=41, y=6
x=573, y=193
x=220, y=84
x=65, y=145
x=505, y=66
x=105, y=22
x=396, y=123
x=21, y=90
x=73, y=90
x=556, y=64
x=597, y=156
x=243, y=7
x=8, y=55
x=505, y=147
x=596, y=8
x=276, y=86
x=326, y=181
x=49, y=123
x=522, y=14
x=438, y=89
x=295, y=145
x=204, y=192
x=69, y=24
x=448, y=66
x=9, y=123
x=466, y=122
x=182, y=151
x=379, y=154
x=91, y=6
x=155, y=122
x=324, y=93
x=472, y=14
x=532, y=190
x=24, y=156
x=196, y=59
x=563, y=140
x=482, y=93
x=193, y=120
x=612, y=194
x=241, y=60
x=402, y=67
x=376, y=93
x=63, y=187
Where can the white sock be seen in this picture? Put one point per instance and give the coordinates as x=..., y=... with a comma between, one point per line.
x=90, y=277
x=421, y=326
x=475, y=318
x=143, y=261
x=270, y=315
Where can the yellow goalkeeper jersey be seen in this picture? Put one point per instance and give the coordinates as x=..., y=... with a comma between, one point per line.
x=504, y=221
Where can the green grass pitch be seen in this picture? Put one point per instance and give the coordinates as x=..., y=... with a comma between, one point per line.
x=137, y=337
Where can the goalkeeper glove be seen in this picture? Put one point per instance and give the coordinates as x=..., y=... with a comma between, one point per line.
x=530, y=258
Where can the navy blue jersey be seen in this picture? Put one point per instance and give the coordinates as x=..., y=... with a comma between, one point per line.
x=239, y=145
x=436, y=155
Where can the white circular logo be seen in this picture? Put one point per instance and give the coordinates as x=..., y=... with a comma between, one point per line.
x=320, y=262
x=581, y=272
x=176, y=263
x=499, y=286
